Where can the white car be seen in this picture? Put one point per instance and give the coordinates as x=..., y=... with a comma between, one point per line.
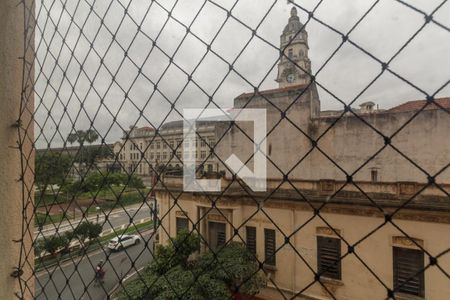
x=121, y=242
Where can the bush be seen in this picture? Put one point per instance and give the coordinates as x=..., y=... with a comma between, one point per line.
x=173, y=274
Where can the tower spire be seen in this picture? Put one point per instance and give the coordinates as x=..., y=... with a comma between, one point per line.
x=294, y=64
x=293, y=11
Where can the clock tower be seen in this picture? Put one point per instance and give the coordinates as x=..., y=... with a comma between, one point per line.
x=294, y=65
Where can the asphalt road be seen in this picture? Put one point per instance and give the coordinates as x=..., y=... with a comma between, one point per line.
x=75, y=279
x=116, y=218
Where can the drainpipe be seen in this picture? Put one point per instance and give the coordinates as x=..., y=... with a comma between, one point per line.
x=13, y=270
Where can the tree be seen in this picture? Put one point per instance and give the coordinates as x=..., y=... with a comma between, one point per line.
x=72, y=138
x=87, y=230
x=52, y=243
x=175, y=274
x=90, y=136
x=51, y=168
x=82, y=136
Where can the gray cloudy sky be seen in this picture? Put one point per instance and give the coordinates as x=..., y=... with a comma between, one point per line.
x=425, y=61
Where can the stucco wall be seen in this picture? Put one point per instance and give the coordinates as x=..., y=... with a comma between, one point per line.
x=293, y=274
x=11, y=47
x=344, y=144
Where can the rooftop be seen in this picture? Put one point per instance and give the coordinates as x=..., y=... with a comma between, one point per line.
x=440, y=103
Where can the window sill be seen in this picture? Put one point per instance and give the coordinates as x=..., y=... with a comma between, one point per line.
x=331, y=281
x=403, y=296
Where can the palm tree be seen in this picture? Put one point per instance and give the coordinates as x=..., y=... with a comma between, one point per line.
x=72, y=138
x=90, y=136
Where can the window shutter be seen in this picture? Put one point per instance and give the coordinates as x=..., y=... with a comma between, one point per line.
x=182, y=223
x=408, y=271
x=269, y=247
x=329, y=257
x=251, y=239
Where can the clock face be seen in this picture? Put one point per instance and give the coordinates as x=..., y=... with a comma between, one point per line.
x=290, y=78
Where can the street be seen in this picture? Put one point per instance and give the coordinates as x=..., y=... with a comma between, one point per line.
x=116, y=218
x=75, y=279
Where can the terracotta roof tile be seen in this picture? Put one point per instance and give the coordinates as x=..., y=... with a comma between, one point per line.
x=418, y=104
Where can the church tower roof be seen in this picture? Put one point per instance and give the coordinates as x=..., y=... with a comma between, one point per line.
x=294, y=24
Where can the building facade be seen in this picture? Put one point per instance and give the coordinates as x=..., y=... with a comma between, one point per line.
x=359, y=197
x=145, y=150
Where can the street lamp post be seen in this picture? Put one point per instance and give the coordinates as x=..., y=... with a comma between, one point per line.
x=97, y=209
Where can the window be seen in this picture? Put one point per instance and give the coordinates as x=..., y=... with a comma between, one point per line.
x=140, y=146
x=182, y=223
x=158, y=145
x=203, y=154
x=209, y=168
x=408, y=275
x=131, y=146
x=329, y=257
x=269, y=247
x=152, y=156
x=203, y=143
x=171, y=143
x=251, y=239
x=217, y=235
x=131, y=155
x=164, y=145
x=164, y=155
x=158, y=156
x=290, y=53
x=212, y=142
x=374, y=175
x=179, y=154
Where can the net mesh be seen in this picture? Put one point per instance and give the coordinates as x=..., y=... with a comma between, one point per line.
x=96, y=70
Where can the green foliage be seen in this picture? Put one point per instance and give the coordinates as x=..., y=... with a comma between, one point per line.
x=177, y=253
x=87, y=230
x=52, y=243
x=173, y=274
x=236, y=266
x=51, y=168
x=96, y=182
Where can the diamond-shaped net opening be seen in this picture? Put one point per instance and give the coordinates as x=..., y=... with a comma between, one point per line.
x=167, y=163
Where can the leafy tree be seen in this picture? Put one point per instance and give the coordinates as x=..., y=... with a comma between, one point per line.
x=235, y=266
x=87, y=230
x=52, y=243
x=174, y=274
x=51, y=168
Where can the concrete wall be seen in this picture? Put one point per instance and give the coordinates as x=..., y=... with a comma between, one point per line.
x=11, y=47
x=350, y=143
x=347, y=144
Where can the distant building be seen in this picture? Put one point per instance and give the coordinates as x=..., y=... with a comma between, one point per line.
x=334, y=178
x=143, y=150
